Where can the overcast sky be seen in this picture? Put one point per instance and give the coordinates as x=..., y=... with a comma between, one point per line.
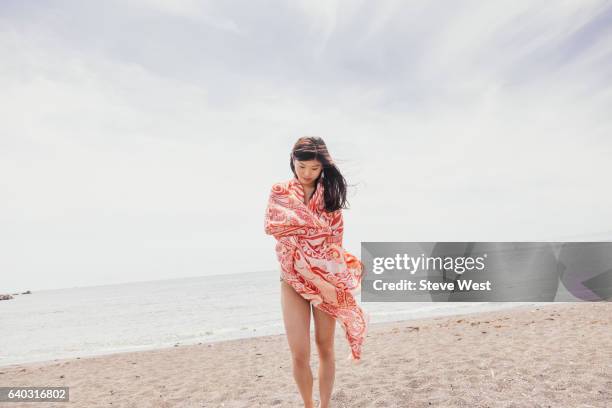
x=139, y=140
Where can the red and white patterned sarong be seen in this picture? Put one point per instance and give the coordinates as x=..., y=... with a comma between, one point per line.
x=312, y=259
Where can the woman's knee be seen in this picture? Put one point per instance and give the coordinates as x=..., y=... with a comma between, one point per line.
x=301, y=358
x=325, y=348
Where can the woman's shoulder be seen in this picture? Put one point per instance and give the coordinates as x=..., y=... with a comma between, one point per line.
x=281, y=185
x=334, y=214
x=279, y=189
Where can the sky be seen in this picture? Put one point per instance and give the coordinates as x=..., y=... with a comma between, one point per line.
x=139, y=139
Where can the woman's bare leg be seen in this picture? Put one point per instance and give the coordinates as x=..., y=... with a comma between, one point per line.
x=325, y=326
x=296, y=316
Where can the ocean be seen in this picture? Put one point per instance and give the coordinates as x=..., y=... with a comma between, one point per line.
x=97, y=320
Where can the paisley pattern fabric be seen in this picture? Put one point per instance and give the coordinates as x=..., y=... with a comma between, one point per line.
x=312, y=259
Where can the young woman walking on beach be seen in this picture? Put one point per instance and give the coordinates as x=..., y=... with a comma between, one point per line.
x=304, y=214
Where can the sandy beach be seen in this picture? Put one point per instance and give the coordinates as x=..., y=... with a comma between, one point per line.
x=554, y=355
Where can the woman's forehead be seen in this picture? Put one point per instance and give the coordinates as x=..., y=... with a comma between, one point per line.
x=311, y=163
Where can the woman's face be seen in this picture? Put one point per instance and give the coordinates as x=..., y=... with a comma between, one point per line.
x=307, y=171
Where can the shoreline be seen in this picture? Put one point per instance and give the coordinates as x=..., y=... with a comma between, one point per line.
x=555, y=354
x=171, y=345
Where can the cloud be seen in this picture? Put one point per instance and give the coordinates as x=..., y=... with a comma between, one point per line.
x=147, y=131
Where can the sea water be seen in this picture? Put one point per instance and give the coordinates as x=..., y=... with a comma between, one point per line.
x=96, y=320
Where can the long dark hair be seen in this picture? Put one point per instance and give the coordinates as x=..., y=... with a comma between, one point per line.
x=334, y=183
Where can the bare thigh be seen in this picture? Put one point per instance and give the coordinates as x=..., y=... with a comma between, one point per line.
x=325, y=326
x=296, y=316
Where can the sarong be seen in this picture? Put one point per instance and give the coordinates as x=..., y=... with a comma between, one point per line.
x=313, y=260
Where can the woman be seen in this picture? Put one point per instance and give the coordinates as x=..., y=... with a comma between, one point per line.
x=304, y=214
